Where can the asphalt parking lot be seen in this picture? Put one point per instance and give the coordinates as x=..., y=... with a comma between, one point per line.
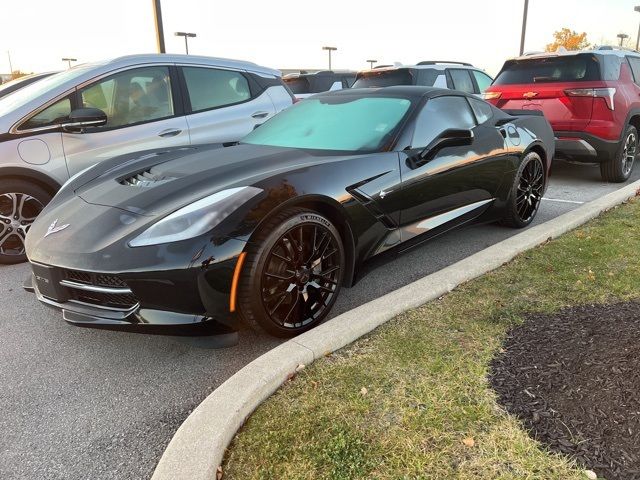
x=78, y=403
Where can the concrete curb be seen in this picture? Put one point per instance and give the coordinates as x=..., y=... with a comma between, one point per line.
x=198, y=447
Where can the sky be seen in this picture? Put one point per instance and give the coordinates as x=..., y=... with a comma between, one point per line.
x=290, y=34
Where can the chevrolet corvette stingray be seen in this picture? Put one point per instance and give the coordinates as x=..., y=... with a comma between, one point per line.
x=269, y=229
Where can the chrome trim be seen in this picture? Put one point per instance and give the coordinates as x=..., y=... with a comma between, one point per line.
x=94, y=288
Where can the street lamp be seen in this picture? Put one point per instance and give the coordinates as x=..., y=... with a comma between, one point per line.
x=637, y=9
x=69, y=60
x=371, y=62
x=329, y=49
x=524, y=25
x=622, y=37
x=186, y=35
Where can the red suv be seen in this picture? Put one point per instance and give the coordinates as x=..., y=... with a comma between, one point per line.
x=591, y=98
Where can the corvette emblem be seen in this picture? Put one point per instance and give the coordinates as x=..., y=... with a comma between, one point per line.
x=54, y=228
x=530, y=94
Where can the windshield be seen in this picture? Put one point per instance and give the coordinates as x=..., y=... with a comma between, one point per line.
x=384, y=78
x=577, y=68
x=343, y=123
x=28, y=93
x=297, y=85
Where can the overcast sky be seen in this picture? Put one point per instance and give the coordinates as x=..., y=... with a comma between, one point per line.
x=290, y=34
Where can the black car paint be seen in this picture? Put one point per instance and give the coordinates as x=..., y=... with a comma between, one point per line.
x=372, y=198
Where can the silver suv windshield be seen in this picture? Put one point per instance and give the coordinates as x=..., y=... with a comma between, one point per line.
x=28, y=93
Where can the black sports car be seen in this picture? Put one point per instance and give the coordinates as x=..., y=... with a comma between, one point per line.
x=272, y=227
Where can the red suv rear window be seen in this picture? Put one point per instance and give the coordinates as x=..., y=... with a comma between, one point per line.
x=577, y=68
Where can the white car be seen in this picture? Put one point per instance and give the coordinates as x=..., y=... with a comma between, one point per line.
x=58, y=126
x=441, y=74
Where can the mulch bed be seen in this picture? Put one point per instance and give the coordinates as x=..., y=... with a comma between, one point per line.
x=573, y=378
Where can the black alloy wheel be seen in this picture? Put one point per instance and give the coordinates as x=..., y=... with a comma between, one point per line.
x=292, y=274
x=618, y=170
x=20, y=204
x=526, y=193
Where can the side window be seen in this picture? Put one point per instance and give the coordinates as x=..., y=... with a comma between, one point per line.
x=133, y=96
x=212, y=88
x=461, y=80
x=440, y=114
x=441, y=81
x=634, y=62
x=428, y=76
x=482, y=79
x=51, y=115
x=481, y=109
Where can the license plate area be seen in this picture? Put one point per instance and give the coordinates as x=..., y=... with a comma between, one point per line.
x=47, y=280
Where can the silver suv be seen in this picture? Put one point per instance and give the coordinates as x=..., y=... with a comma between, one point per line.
x=57, y=127
x=442, y=74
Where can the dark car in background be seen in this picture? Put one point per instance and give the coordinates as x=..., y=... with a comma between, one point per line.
x=304, y=84
x=16, y=84
x=272, y=228
x=460, y=76
x=591, y=98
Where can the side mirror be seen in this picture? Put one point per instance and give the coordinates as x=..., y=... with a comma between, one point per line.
x=453, y=137
x=82, y=118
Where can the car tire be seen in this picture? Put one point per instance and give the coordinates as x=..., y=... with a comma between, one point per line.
x=292, y=273
x=619, y=168
x=526, y=192
x=20, y=202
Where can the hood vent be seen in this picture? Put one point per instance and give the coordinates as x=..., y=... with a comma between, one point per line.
x=145, y=179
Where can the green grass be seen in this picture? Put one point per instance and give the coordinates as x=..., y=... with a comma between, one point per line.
x=425, y=377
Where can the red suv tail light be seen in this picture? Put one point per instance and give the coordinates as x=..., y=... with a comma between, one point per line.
x=604, y=93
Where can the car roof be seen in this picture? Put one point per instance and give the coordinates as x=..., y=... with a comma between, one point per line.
x=602, y=50
x=429, y=64
x=408, y=91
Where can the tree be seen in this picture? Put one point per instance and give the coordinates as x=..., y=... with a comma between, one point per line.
x=17, y=74
x=568, y=39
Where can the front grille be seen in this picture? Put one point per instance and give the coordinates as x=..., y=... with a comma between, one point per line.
x=145, y=179
x=85, y=287
x=124, y=301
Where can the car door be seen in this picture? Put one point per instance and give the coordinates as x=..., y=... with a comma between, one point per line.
x=221, y=106
x=458, y=182
x=142, y=113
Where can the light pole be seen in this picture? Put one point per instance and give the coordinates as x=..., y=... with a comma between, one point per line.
x=371, y=62
x=524, y=25
x=157, y=17
x=69, y=60
x=329, y=49
x=622, y=37
x=10, y=66
x=186, y=36
x=637, y=9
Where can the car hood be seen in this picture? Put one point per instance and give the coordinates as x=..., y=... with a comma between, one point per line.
x=158, y=182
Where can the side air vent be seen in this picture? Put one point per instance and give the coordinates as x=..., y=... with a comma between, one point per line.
x=145, y=179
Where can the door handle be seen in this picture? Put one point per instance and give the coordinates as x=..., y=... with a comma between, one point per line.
x=172, y=132
x=260, y=114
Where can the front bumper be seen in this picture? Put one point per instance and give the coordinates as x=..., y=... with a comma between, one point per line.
x=583, y=147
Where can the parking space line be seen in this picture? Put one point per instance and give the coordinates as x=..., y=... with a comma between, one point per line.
x=562, y=201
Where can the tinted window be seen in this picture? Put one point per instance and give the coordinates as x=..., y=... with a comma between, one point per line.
x=575, y=68
x=635, y=68
x=334, y=123
x=322, y=82
x=611, y=66
x=298, y=85
x=481, y=109
x=428, y=76
x=461, y=80
x=133, y=96
x=52, y=115
x=384, y=78
x=438, y=115
x=482, y=79
x=347, y=80
x=211, y=88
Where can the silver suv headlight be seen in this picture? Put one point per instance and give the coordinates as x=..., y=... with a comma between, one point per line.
x=197, y=218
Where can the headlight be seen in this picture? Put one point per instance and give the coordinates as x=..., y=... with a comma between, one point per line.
x=195, y=219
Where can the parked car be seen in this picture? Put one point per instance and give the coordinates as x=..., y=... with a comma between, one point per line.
x=59, y=126
x=591, y=98
x=453, y=75
x=304, y=85
x=272, y=227
x=13, y=85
